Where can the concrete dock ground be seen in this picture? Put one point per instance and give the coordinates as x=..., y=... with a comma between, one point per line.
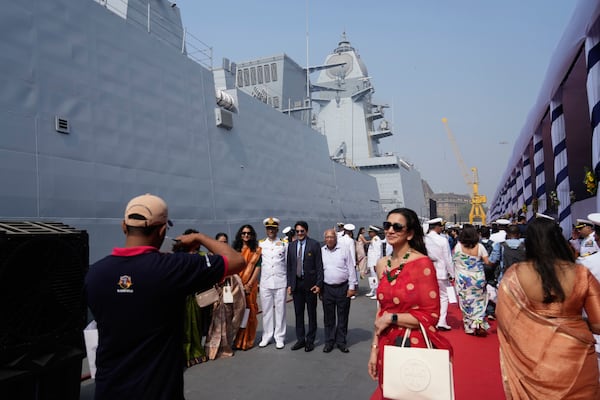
x=269, y=373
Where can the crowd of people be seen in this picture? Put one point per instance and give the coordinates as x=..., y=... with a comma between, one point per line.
x=527, y=275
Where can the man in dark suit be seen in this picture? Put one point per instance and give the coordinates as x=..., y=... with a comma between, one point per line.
x=305, y=280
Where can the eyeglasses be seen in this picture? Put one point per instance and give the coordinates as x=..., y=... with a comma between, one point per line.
x=396, y=226
x=246, y=233
x=300, y=231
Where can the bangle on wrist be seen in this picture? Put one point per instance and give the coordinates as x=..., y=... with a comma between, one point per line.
x=374, y=346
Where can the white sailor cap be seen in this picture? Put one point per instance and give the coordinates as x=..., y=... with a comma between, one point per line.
x=595, y=218
x=540, y=215
x=580, y=223
x=373, y=228
x=435, y=221
x=286, y=230
x=502, y=221
x=349, y=227
x=271, y=222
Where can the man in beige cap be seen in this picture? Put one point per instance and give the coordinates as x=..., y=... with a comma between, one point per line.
x=137, y=297
x=273, y=284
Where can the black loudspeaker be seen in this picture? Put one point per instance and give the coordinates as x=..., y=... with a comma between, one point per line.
x=42, y=309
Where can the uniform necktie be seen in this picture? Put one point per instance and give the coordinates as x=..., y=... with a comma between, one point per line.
x=299, y=260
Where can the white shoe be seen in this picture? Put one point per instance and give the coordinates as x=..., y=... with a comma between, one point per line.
x=279, y=346
x=353, y=297
x=263, y=343
x=370, y=294
x=374, y=297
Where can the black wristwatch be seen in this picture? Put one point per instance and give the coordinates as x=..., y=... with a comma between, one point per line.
x=394, y=318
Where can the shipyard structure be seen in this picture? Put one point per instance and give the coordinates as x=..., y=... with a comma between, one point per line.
x=340, y=105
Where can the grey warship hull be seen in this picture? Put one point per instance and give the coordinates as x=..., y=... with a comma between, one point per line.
x=97, y=109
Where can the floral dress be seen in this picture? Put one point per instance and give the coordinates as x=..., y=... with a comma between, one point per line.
x=470, y=285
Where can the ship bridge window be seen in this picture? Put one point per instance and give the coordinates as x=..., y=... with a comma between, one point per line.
x=274, y=72
x=253, y=76
x=259, y=73
x=246, y=77
x=240, y=78
x=267, y=74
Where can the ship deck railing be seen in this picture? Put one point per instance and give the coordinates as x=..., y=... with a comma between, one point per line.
x=145, y=17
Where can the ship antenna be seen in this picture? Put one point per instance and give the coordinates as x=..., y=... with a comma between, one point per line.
x=308, y=96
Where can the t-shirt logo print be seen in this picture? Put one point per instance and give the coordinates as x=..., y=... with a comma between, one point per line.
x=125, y=282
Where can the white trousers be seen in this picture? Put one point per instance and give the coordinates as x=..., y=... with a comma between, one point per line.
x=273, y=314
x=443, y=284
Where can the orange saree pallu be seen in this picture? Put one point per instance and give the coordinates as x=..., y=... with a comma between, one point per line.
x=547, y=350
x=246, y=336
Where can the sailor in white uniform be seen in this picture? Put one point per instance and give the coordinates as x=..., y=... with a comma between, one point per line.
x=439, y=252
x=592, y=262
x=273, y=284
x=373, y=255
x=588, y=244
x=347, y=241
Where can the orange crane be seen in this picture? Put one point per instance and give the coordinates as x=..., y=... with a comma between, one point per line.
x=477, y=200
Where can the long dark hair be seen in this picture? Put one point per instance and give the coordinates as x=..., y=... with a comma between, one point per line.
x=545, y=246
x=238, y=243
x=412, y=224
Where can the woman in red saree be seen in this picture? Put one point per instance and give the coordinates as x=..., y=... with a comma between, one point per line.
x=408, y=292
x=246, y=243
x=546, y=347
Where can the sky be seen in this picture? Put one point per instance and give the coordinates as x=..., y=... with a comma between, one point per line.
x=478, y=63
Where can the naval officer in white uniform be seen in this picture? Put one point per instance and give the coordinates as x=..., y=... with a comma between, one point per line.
x=273, y=284
x=438, y=250
x=588, y=244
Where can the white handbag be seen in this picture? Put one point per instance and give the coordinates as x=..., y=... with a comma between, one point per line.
x=417, y=373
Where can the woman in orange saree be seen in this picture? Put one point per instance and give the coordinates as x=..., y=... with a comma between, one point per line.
x=546, y=347
x=246, y=243
x=408, y=292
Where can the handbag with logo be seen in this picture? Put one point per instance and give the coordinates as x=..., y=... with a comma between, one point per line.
x=207, y=298
x=413, y=372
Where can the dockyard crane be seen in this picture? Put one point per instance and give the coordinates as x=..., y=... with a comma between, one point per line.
x=477, y=200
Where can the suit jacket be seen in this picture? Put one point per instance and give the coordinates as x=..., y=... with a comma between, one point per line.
x=312, y=265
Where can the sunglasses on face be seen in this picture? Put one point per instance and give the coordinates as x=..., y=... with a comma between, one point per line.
x=300, y=231
x=396, y=226
x=246, y=233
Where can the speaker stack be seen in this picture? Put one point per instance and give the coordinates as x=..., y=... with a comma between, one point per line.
x=42, y=309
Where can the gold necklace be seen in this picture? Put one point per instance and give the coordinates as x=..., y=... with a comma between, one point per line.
x=397, y=271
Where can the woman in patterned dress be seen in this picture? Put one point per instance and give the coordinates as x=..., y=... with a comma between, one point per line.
x=408, y=292
x=469, y=259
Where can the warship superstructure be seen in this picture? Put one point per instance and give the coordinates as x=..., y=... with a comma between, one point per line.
x=340, y=105
x=101, y=102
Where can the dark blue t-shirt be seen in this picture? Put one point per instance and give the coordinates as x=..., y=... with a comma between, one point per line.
x=137, y=296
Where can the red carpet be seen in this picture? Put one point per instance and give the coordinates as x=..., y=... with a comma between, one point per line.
x=476, y=362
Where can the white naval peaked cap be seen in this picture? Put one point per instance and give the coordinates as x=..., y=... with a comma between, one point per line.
x=373, y=228
x=581, y=222
x=286, y=230
x=349, y=227
x=540, y=215
x=595, y=218
x=502, y=221
x=271, y=222
x=434, y=221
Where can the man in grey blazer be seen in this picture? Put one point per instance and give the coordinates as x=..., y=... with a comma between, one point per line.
x=305, y=281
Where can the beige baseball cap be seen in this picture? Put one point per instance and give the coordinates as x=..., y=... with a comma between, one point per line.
x=147, y=210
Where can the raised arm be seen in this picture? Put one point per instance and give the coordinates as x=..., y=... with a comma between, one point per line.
x=236, y=262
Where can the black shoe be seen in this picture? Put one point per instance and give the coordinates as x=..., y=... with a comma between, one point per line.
x=298, y=345
x=327, y=348
x=343, y=348
x=309, y=347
